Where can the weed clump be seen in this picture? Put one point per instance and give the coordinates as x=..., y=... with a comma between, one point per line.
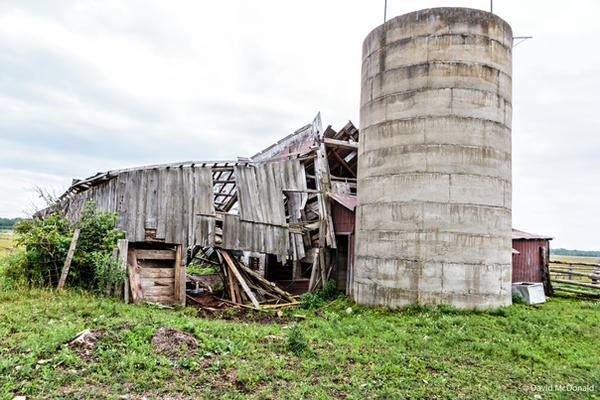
x=318, y=297
x=517, y=299
x=296, y=342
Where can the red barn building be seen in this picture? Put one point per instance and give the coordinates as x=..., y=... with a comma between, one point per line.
x=527, y=258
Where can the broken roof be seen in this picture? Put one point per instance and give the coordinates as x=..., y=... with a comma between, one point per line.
x=347, y=200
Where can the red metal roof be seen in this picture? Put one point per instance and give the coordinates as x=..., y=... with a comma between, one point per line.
x=517, y=234
x=347, y=200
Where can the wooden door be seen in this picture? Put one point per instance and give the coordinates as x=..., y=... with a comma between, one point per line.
x=155, y=274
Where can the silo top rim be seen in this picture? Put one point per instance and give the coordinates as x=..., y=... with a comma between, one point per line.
x=458, y=14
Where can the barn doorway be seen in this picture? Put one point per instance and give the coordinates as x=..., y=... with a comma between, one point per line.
x=155, y=272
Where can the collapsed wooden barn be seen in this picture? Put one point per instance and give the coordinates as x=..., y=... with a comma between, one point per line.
x=275, y=207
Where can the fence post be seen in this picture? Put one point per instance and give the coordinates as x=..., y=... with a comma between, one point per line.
x=123, y=246
x=570, y=270
x=70, y=253
x=545, y=261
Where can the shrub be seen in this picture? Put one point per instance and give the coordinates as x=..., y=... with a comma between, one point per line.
x=318, y=297
x=46, y=243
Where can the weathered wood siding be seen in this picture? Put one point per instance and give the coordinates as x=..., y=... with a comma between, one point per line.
x=176, y=202
x=254, y=236
x=262, y=189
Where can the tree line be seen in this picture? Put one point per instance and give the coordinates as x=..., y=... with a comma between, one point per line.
x=8, y=223
x=580, y=253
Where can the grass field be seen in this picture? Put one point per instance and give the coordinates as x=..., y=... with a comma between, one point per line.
x=575, y=259
x=370, y=353
x=6, y=241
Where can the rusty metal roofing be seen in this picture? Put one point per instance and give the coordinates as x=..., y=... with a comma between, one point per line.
x=347, y=200
x=517, y=234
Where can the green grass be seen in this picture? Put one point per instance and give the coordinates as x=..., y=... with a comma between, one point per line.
x=416, y=352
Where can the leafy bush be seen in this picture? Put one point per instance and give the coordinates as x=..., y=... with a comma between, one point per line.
x=318, y=297
x=46, y=243
x=12, y=266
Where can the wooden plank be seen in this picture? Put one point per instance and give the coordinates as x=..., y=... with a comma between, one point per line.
x=323, y=184
x=158, y=291
x=154, y=281
x=122, y=245
x=323, y=266
x=162, y=196
x=204, y=208
x=168, y=273
x=267, y=283
x=270, y=306
x=173, y=234
x=239, y=277
x=140, y=208
x=160, y=299
x=151, y=206
x=134, y=280
x=564, y=289
x=156, y=254
x=121, y=201
x=188, y=219
x=67, y=265
x=343, y=163
x=314, y=272
x=576, y=283
x=572, y=267
x=561, y=272
x=231, y=288
x=179, y=296
x=132, y=194
x=574, y=263
x=341, y=144
x=148, y=264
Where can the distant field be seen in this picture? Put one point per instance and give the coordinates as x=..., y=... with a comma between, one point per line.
x=576, y=259
x=6, y=241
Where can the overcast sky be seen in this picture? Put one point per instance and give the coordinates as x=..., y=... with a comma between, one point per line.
x=88, y=86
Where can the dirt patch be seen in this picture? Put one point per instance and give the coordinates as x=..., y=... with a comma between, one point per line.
x=245, y=316
x=204, y=300
x=172, y=342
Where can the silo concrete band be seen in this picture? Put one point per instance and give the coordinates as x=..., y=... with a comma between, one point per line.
x=433, y=218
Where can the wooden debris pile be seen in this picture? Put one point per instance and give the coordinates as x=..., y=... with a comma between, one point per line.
x=246, y=288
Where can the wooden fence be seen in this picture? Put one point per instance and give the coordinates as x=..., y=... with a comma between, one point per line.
x=577, y=274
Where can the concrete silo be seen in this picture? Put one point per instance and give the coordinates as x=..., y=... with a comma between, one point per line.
x=434, y=177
